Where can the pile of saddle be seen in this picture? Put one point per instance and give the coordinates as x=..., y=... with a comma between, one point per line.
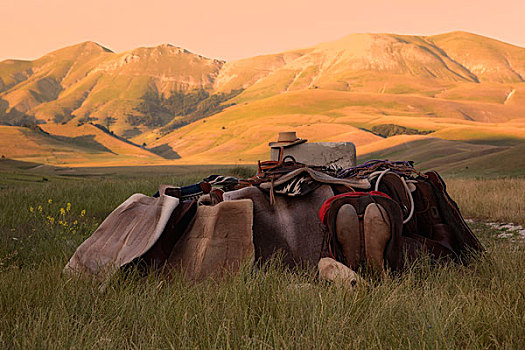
x=381, y=214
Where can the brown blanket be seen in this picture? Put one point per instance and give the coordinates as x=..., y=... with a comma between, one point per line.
x=220, y=239
x=291, y=225
x=126, y=234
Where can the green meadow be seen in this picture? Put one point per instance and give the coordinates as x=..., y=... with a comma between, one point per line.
x=46, y=214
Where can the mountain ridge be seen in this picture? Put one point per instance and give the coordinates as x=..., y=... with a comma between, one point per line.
x=202, y=108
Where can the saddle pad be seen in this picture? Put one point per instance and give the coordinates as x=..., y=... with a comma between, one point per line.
x=126, y=234
x=219, y=240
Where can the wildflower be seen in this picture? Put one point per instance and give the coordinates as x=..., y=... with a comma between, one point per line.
x=50, y=201
x=62, y=211
x=51, y=219
x=31, y=209
x=83, y=212
x=75, y=222
x=40, y=208
x=68, y=207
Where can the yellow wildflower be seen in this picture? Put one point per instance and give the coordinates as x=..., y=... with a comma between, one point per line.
x=83, y=212
x=68, y=207
x=62, y=211
x=75, y=222
x=50, y=201
x=51, y=219
x=40, y=208
x=31, y=209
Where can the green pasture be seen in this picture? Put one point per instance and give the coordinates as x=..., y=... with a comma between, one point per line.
x=46, y=213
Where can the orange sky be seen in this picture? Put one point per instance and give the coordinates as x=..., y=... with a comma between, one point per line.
x=232, y=29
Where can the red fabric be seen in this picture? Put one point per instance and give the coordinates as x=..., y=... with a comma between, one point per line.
x=326, y=205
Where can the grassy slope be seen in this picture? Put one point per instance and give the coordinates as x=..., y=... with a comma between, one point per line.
x=399, y=64
x=456, y=158
x=321, y=115
x=488, y=59
x=365, y=62
x=84, y=146
x=479, y=306
x=114, y=144
x=53, y=73
x=12, y=72
x=245, y=72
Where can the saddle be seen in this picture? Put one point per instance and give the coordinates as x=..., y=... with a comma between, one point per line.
x=364, y=230
x=432, y=222
x=416, y=217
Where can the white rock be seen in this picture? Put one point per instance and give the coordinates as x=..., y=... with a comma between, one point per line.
x=340, y=274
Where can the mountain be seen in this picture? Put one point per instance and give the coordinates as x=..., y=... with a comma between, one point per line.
x=388, y=63
x=456, y=91
x=87, y=82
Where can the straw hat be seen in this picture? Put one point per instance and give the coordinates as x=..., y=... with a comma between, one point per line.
x=287, y=139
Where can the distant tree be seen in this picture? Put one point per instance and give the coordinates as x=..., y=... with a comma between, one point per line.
x=86, y=119
x=388, y=130
x=108, y=121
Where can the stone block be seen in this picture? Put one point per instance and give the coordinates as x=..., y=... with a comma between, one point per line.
x=331, y=154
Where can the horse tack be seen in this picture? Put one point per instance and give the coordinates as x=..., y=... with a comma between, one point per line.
x=286, y=198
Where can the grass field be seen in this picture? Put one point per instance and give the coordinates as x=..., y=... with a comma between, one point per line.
x=45, y=216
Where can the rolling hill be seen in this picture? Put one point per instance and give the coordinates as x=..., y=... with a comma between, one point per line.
x=71, y=146
x=463, y=95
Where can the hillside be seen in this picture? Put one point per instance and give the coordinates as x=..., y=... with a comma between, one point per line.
x=71, y=146
x=242, y=132
x=457, y=91
x=88, y=83
x=385, y=63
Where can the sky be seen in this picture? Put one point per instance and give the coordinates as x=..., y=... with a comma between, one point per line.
x=233, y=29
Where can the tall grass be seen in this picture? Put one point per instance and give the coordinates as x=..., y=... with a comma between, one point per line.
x=478, y=306
x=501, y=200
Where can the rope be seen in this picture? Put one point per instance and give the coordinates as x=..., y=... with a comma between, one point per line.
x=380, y=177
x=409, y=193
x=404, y=168
x=272, y=194
x=411, y=201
